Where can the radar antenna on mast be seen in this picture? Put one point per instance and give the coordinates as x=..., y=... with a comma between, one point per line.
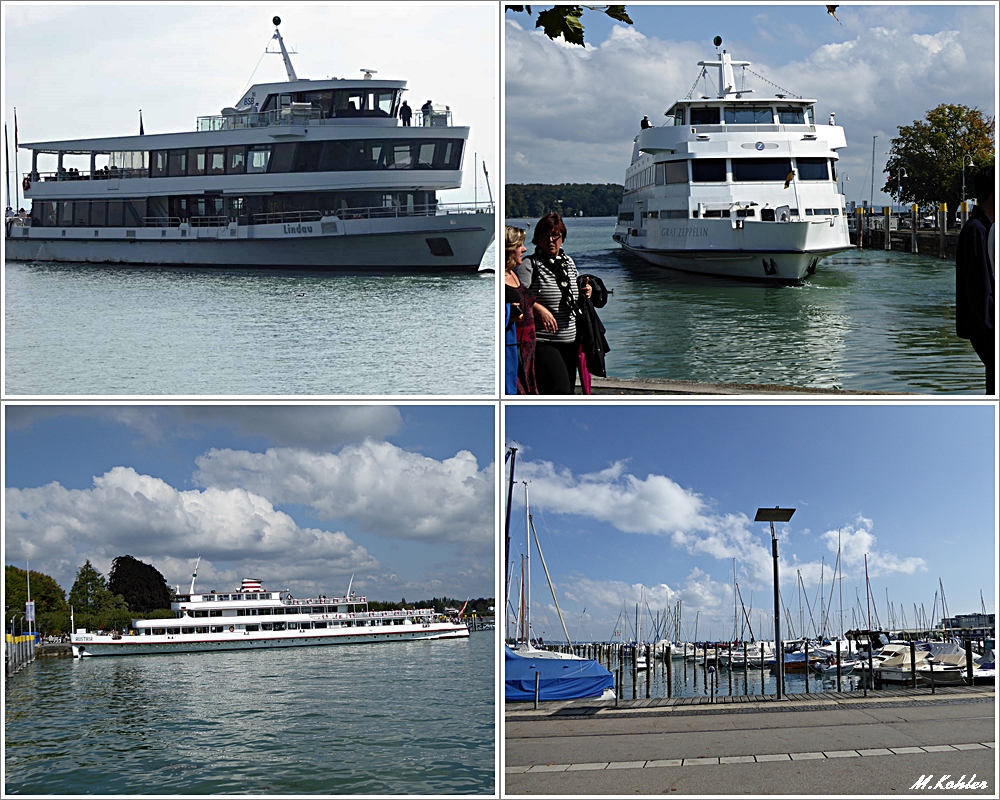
x=289, y=69
x=369, y=73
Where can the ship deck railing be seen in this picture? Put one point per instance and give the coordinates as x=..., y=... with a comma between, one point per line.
x=103, y=174
x=268, y=119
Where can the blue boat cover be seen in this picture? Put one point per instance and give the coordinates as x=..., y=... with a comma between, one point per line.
x=559, y=678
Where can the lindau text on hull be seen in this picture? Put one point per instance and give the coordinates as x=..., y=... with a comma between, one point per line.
x=735, y=186
x=308, y=174
x=253, y=618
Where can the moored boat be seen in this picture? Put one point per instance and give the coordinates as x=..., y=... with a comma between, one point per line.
x=735, y=186
x=253, y=618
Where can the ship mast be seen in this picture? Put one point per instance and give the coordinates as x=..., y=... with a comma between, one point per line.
x=289, y=69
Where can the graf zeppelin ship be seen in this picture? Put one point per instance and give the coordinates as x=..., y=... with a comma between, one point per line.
x=252, y=618
x=735, y=185
x=304, y=173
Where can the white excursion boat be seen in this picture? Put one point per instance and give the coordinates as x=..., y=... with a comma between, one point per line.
x=252, y=618
x=307, y=174
x=735, y=186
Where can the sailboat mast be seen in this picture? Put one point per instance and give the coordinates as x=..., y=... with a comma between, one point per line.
x=510, y=492
x=527, y=565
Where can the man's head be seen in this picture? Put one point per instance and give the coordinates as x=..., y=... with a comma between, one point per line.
x=983, y=181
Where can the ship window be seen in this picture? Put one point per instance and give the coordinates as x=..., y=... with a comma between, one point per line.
x=257, y=162
x=65, y=213
x=266, y=626
x=196, y=161
x=761, y=169
x=283, y=157
x=279, y=626
x=201, y=613
x=384, y=103
x=216, y=160
x=158, y=631
x=791, y=116
x=674, y=172
x=253, y=627
x=215, y=612
x=425, y=159
x=187, y=630
x=401, y=157
x=717, y=212
x=307, y=157
x=705, y=116
x=708, y=170
x=813, y=169
x=216, y=629
x=81, y=213
x=675, y=116
x=319, y=624
x=201, y=630
x=749, y=115
x=135, y=212
x=293, y=626
x=158, y=164
x=98, y=213
x=318, y=610
x=674, y=214
x=767, y=215
x=177, y=163
x=236, y=160
x=224, y=596
x=747, y=212
x=115, y=213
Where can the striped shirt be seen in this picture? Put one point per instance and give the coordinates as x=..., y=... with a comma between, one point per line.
x=547, y=293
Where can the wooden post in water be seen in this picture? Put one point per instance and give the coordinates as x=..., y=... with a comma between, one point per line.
x=746, y=672
x=886, y=218
x=635, y=670
x=913, y=665
x=968, y=661
x=729, y=647
x=807, y=656
x=838, y=665
x=942, y=233
x=963, y=212
x=914, y=220
x=670, y=673
x=859, y=227
x=649, y=670
x=762, y=668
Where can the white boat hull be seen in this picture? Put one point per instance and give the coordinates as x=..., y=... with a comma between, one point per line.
x=88, y=645
x=772, y=252
x=453, y=242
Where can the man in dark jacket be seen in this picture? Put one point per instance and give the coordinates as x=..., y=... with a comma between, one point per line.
x=974, y=281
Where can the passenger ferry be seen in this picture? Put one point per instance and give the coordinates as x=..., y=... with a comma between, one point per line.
x=735, y=186
x=252, y=618
x=311, y=174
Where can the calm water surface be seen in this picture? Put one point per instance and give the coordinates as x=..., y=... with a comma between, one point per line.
x=868, y=320
x=85, y=329
x=401, y=718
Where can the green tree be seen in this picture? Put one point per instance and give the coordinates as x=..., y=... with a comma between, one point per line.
x=88, y=590
x=564, y=21
x=571, y=199
x=931, y=152
x=142, y=585
x=48, y=596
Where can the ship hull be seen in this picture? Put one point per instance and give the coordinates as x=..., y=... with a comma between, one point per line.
x=90, y=645
x=445, y=243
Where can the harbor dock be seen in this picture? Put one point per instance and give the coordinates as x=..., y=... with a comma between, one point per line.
x=822, y=743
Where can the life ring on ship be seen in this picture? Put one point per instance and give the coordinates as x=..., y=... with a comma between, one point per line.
x=232, y=628
x=26, y=184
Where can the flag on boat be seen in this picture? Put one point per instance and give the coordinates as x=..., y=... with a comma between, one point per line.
x=461, y=611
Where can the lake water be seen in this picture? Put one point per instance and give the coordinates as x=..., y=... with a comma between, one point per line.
x=85, y=329
x=400, y=718
x=867, y=320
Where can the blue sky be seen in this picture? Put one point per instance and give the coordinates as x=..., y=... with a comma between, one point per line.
x=74, y=71
x=402, y=497
x=661, y=498
x=571, y=112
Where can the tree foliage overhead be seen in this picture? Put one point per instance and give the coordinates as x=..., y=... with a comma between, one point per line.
x=564, y=21
x=931, y=152
x=48, y=596
x=141, y=584
x=522, y=201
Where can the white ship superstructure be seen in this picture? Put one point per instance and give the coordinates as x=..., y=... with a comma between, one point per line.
x=253, y=618
x=311, y=174
x=735, y=185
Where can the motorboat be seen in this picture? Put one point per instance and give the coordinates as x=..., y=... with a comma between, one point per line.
x=735, y=185
x=301, y=174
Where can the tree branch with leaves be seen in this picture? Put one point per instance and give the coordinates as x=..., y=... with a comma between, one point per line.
x=564, y=21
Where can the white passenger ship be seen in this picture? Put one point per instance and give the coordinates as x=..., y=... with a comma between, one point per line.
x=735, y=186
x=311, y=174
x=253, y=618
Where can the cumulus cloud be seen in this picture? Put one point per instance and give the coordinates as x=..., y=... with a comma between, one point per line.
x=856, y=540
x=889, y=73
x=390, y=491
x=238, y=532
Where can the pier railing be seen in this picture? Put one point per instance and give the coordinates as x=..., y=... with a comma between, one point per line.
x=20, y=652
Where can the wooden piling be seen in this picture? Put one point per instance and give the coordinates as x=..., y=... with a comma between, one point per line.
x=670, y=673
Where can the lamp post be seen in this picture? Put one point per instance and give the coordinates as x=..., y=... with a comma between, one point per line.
x=899, y=185
x=773, y=515
x=966, y=156
x=845, y=178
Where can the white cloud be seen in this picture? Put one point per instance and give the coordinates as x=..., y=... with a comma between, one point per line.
x=241, y=531
x=857, y=541
x=390, y=491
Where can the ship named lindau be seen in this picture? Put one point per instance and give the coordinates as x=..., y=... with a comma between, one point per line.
x=311, y=174
x=253, y=618
x=735, y=186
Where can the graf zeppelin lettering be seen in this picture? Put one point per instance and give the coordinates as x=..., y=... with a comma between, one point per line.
x=684, y=231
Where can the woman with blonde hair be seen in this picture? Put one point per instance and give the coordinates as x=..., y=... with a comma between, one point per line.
x=519, y=352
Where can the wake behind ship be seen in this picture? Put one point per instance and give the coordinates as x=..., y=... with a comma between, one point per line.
x=308, y=174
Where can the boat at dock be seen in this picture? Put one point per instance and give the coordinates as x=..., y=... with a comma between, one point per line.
x=301, y=174
x=252, y=618
x=735, y=186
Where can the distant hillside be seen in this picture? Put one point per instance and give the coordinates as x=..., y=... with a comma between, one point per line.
x=526, y=200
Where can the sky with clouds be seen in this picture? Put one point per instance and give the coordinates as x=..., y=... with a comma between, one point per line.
x=402, y=498
x=572, y=112
x=656, y=502
x=74, y=71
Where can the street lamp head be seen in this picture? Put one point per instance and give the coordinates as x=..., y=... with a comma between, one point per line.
x=775, y=514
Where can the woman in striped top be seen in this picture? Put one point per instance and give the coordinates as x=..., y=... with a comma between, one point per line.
x=551, y=275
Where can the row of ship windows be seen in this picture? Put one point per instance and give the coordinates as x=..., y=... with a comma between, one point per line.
x=745, y=115
x=263, y=612
x=331, y=156
x=267, y=626
x=766, y=214
x=715, y=170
